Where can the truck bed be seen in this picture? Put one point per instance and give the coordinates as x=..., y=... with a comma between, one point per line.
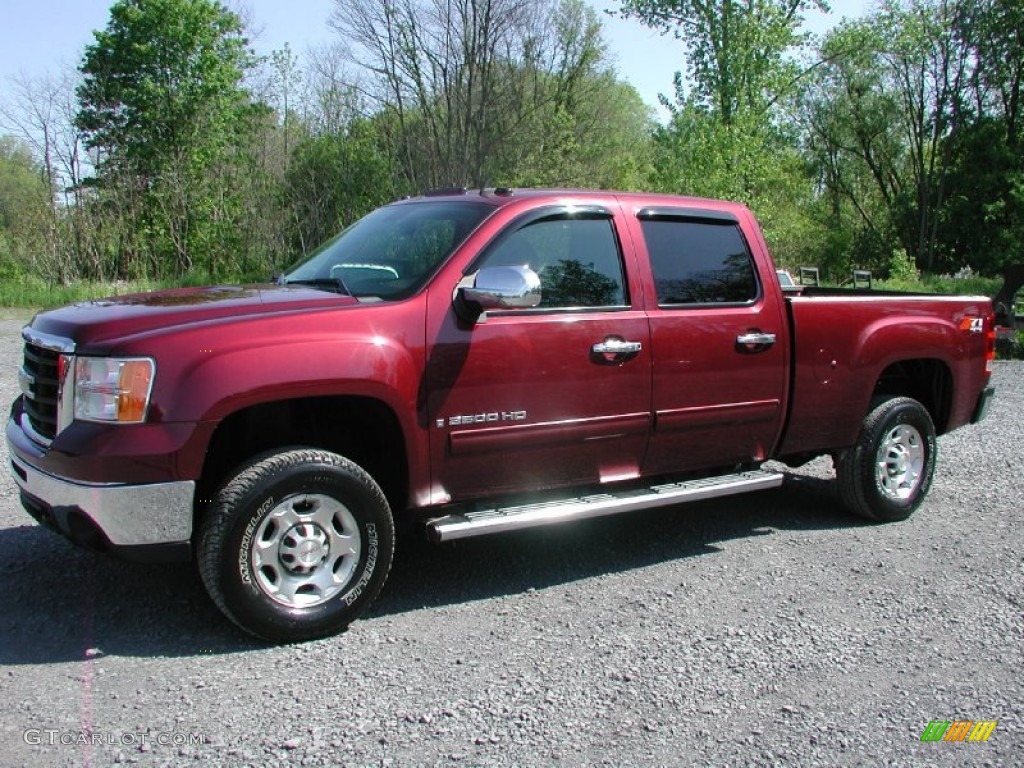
x=844, y=341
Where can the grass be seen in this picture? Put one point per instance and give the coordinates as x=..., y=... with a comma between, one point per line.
x=34, y=293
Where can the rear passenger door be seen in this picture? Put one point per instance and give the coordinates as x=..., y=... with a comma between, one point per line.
x=718, y=344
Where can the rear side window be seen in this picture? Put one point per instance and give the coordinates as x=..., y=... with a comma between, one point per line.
x=699, y=262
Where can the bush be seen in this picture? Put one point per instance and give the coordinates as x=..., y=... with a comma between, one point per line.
x=902, y=267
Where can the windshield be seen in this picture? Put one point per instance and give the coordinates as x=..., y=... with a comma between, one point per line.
x=391, y=252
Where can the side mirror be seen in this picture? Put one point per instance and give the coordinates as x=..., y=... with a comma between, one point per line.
x=500, y=288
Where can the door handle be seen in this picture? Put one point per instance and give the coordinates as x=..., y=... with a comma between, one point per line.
x=616, y=346
x=756, y=339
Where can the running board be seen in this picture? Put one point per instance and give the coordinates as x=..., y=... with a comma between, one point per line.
x=479, y=522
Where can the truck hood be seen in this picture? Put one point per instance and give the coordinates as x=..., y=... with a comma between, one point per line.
x=119, y=317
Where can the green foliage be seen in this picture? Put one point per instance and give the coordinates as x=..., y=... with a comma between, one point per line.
x=600, y=140
x=162, y=82
x=898, y=148
x=495, y=92
x=983, y=218
x=941, y=284
x=912, y=120
x=728, y=136
x=570, y=283
x=902, y=267
x=736, y=52
x=162, y=106
x=334, y=179
x=23, y=190
x=31, y=291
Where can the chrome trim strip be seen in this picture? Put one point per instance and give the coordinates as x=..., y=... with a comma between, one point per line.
x=891, y=296
x=28, y=429
x=477, y=523
x=25, y=381
x=48, y=341
x=128, y=515
x=66, y=395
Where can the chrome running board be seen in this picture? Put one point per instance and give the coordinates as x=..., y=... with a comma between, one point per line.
x=462, y=525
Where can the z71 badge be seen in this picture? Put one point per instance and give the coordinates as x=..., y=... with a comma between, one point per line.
x=482, y=418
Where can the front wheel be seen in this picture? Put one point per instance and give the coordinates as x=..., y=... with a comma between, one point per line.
x=887, y=474
x=298, y=544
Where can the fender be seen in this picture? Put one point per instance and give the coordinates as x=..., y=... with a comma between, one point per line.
x=206, y=371
x=345, y=364
x=891, y=340
x=843, y=345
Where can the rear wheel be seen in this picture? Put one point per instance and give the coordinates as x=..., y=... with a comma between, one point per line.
x=887, y=474
x=299, y=543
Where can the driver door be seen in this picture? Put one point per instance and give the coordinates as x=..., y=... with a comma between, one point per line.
x=528, y=399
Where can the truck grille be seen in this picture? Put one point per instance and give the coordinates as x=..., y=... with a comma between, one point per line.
x=40, y=386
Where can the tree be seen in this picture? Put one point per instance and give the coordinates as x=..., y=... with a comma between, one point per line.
x=735, y=52
x=41, y=114
x=334, y=179
x=466, y=88
x=162, y=108
x=897, y=123
x=24, y=207
x=850, y=117
x=996, y=32
x=728, y=135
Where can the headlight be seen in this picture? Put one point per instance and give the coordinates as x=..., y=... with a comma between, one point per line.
x=111, y=389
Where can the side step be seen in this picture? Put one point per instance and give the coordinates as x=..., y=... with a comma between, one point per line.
x=484, y=521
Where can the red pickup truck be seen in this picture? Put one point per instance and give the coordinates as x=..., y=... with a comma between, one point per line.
x=473, y=362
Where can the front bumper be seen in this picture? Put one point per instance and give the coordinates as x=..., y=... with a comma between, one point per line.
x=150, y=521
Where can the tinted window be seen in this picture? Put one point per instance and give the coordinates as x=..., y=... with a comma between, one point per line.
x=697, y=262
x=577, y=260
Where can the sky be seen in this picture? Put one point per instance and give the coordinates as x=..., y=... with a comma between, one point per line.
x=38, y=37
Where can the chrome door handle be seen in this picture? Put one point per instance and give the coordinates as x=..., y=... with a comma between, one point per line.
x=613, y=346
x=756, y=339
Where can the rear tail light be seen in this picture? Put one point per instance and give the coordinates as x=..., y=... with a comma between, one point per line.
x=990, y=342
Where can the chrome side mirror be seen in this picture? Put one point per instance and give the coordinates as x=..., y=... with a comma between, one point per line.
x=496, y=288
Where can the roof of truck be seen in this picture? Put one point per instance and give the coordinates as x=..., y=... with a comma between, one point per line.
x=500, y=196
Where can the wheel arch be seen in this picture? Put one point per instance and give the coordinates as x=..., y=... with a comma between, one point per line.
x=363, y=429
x=927, y=380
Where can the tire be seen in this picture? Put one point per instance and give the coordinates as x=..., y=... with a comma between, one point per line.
x=887, y=474
x=298, y=544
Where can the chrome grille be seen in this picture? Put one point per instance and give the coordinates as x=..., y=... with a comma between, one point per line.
x=39, y=382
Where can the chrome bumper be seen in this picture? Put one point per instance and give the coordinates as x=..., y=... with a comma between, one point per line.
x=127, y=515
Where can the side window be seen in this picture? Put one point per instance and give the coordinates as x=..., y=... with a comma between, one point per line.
x=699, y=262
x=577, y=260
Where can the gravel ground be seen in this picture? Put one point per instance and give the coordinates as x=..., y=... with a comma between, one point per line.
x=770, y=629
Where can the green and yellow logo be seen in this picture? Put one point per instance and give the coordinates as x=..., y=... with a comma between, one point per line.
x=959, y=730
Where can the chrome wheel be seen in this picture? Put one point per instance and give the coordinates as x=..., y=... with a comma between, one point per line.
x=305, y=550
x=900, y=462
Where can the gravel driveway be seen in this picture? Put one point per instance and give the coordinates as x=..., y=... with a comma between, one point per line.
x=770, y=629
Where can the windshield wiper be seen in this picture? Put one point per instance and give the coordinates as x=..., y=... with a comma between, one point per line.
x=336, y=283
